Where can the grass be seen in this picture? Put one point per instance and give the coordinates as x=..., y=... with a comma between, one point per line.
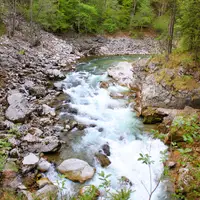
x=176, y=59
x=178, y=82
x=2, y=28
x=4, y=147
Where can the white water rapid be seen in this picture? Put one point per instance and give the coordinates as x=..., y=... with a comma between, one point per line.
x=120, y=128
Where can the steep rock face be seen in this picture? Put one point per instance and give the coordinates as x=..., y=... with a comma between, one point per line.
x=158, y=87
x=76, y=170
x=168, y=92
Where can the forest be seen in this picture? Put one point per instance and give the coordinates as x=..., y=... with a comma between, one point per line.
x=169, y=19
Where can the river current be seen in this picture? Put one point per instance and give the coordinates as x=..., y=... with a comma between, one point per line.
x=115, y=123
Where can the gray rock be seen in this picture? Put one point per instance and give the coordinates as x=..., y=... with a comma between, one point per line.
x=30, y=159
x=36, y=131
x=171, y=164
x=122, y=73
x=58, y=86
x=76, y=170
x=38, y=91
x=106, y=149
x=47, y=110
x=43, y=165
x=46, y=192
x=31, y=138
x=18, y=109
x=55, y=74
x=14, y=153
x=44, y=145
x=43, y=181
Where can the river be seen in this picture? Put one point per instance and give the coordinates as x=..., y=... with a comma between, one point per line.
x=113, y=122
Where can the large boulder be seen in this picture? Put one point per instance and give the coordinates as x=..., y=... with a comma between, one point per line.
x=154, y=94
x=122, y=73
x=41, y=145
x=18, y=109
x=76, y=170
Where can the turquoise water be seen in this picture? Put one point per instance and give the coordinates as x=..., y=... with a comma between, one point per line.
x=120, y=128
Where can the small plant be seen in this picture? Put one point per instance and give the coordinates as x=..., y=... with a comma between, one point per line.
x=4, y=147
x=3, y=158
x=188, y=126
x=21, y=52
x=157, y=134
x=146, y=159
x=90, y=194
x=123, y=194
x=61, y=184
x=105, y=181
x=15, y=131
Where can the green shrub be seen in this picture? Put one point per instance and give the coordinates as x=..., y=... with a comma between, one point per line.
x=110, y=26
x=161, y=24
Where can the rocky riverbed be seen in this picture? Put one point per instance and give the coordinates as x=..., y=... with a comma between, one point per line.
x=31, y=97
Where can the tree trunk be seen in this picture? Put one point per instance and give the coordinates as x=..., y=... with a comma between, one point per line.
x=13, y=26
x=133, y=11
x=171, y=28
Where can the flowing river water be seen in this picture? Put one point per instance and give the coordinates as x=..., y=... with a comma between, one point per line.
x=114, y=122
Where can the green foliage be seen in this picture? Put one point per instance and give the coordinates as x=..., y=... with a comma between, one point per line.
x=144, y=15
x=2, y=28
x=4, y=147
x=22, y=52
x=3, y=158
x=189, y=25
x=105, y=181
x=109, y=25
x=160, y=24
x=145, y=159
x=90, y=194
x=15, y=130
x=189, y=127
x=157, y=134
x=123, y=194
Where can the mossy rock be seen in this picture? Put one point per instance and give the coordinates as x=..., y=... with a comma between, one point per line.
x=152, y=116
x=11, y=166
x=152, y=119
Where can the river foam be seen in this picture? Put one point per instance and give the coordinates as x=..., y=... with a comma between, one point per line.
x=120, y=128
